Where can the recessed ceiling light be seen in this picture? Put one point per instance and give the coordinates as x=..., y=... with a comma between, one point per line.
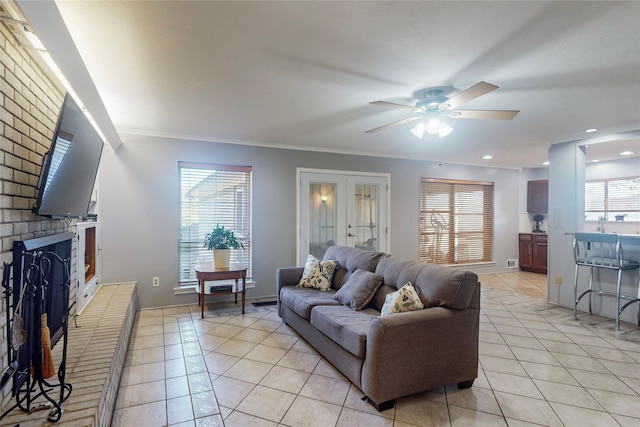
x=591, y=130
x=595, y=161
x=626, y=153
x=546, y=163
x=487, y=157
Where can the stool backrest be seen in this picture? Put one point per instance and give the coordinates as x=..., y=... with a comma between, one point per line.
x=597, y=250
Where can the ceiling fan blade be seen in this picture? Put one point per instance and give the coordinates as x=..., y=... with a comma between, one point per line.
x=394, y=105
x=478, y=89
x=483, y=114
x=399, y=122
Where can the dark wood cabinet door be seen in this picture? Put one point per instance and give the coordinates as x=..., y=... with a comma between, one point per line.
x=538, y=196
x=526, y=254
x=539, y=258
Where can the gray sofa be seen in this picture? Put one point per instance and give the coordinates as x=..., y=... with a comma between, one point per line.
x=391, y=356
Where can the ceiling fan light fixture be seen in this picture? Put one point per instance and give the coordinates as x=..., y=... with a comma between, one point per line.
x=419, y=129
x=434, y=125
x=445, y=130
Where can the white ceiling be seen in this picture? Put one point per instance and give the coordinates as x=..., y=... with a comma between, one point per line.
x=302, y=74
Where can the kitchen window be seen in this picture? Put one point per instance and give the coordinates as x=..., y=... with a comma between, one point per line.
x=456, y=221
x=613, y=199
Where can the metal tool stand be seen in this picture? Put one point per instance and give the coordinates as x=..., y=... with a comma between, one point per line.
x=28, y=294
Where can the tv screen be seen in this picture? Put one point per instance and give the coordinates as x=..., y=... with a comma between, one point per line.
x=70, y=167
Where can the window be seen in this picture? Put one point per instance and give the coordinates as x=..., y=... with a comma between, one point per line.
x=456, y=221
x=211, y=195
x=613, y=199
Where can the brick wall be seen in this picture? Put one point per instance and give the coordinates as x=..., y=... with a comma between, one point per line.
x=29, y=105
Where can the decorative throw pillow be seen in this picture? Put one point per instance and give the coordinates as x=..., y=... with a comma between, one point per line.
x=404, y=299
x=359, y=289
x=318, y=274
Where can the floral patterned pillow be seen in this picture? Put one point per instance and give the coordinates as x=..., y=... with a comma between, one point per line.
x=318, y=274
x=404, y=299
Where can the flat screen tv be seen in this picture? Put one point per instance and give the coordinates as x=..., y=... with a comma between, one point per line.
x=70, y=166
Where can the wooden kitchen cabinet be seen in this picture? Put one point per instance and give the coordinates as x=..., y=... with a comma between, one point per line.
x=538, y=196
x=533, y=252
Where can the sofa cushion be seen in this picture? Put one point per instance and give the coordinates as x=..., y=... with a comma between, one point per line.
x=318, y=274
x=350, y=260
x=344, y=326
x=441, y=286
x=302, y=300
x=404, y=299
x=359, y=289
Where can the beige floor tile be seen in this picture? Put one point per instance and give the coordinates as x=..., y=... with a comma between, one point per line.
x=177, y=387
x=497, y=350
x=421, y=412
x=179, y=410
x=191, y=349
x=567, y=394
x=248, y=370
x=266, y=325
x=280, y=340
x=580, y=362
x=226, y=331
x=146, y=341
x=266, y=354
x=251, y=335
x=140, y=393
x=267, y=403
x=142, y=373
x=328, y=370
x=210, y=342
x=300, y=361
x=524, y=342
x=626, y=421
x=305, y=412
x=140, y=357
x=582, y=417
x=326, y=389
x=230, y=392
x=218, y=363
x=173, y=351
x=601, y=381
x=462, y=417
x=513, y=384
x=146, y=415
x=552, y=373
x=527, y=409
x=238, y=419
x=174, y=368
x=235, y=347
x=285, y=379
x=204, y=404
x=242, y=321
x=210, y=421
x=199, y=383
x=354, y=401
x=172, y=338
x=352, y=418
x=195, y=365
x=475, y=398
x=536, y=356
x=617, y=403
x=499, y=364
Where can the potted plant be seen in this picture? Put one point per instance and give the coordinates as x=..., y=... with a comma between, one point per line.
x=221, y=240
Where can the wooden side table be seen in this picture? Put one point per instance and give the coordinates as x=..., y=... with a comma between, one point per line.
x=208, y=272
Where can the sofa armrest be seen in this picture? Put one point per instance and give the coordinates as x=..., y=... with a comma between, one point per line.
x=287, y=276
x=410, y=352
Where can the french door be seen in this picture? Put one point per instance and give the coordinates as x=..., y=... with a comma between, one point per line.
x=341, y=208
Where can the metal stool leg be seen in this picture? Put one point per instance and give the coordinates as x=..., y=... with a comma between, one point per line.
x=618, y=285
x=575, y=294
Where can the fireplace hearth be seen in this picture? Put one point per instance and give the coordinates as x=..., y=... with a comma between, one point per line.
x=37, y=284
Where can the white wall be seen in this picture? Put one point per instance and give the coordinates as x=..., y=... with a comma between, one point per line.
x=138, y=207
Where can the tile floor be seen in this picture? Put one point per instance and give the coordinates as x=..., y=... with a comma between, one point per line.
x=537, y=366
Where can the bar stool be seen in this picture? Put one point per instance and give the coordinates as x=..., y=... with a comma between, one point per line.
x=598, y=250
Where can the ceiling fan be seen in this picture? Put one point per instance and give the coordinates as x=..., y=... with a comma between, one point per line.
x=435, y=106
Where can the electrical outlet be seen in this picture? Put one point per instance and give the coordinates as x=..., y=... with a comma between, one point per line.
x=558, y=280
x=156, y=282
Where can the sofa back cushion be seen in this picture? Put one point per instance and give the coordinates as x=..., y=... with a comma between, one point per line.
x=437, y=285
x=349, y=260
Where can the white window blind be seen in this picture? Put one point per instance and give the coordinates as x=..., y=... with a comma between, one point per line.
x=611, y=198
x=210, y=195
x=456, y=221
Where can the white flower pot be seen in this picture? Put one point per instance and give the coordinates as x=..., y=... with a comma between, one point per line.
x=221, y=258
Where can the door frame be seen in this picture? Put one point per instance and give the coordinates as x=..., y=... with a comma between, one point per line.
x=386, y=176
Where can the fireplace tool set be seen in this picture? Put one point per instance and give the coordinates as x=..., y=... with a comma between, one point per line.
x=37, y=312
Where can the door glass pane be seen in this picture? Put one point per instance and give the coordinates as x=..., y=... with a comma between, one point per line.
x=365, y=227
x=322, y=217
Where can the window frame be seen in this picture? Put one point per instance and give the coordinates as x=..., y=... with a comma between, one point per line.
x=237, y=217
x=446, y=212
x=607, y=211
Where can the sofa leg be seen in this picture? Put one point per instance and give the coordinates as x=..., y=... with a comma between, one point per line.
x=466, y=384
x=381, y=406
